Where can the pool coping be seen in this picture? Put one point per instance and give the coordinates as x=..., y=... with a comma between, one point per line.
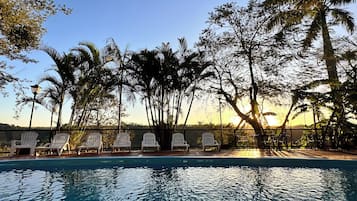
x=171, y=161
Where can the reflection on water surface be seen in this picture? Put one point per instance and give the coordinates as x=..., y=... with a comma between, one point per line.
x=181, y=183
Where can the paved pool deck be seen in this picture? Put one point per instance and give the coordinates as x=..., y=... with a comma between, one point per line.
x=235, y=153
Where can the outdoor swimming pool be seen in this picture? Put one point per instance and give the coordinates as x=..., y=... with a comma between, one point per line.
x=177, y=178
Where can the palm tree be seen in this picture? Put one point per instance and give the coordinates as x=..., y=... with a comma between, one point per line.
x=322, y=14
x=142, y=67
x=113, y=54
x=94, y=82
x=51, y=99
x=61, y=83
x=164, y=78
x=192, y=66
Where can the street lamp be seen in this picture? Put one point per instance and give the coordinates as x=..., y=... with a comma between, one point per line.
x=35, y=89
x=220, y=117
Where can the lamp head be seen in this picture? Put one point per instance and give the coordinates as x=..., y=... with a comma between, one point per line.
x=35, y=89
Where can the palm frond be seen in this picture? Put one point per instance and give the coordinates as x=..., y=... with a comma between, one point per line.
x=93, y=50
x=343, y=17
x=341, y=2
x=54, y=54
x=51, y=79
x=285, y=19
x=313, y=31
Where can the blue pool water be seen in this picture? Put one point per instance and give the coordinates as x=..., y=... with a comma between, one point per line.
x=178, y=178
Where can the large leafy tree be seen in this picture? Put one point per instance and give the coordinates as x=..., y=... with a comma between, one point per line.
x=246, y=61
x=21, y=29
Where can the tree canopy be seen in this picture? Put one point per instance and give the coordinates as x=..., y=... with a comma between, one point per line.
x=21, y=29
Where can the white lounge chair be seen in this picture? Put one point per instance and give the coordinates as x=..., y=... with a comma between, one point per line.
x=28, y=141
x=178, y=140
x=209, y=141
x=93, y=141
x=149, y=141
x=59, y=143
x=122, y=140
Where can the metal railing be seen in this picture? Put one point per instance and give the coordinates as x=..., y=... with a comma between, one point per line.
x=229, y=137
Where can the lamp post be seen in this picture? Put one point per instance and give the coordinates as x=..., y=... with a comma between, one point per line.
x=35, y=89
x=220, y=117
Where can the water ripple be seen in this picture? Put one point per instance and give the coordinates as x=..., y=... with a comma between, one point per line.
x=190, y=183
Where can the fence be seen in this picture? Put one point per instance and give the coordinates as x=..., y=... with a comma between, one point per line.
x=229, y=137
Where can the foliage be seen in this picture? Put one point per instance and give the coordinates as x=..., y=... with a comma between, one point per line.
x=245, y=59
x=120, y=59
x=21, y=29
x=61, y=82
x=318, y=16
x=5, y=77
x=93, y=85
x=315, y=18
x=164, y=78
x=21, y=25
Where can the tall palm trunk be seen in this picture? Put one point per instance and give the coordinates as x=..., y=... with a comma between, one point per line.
x=147, y=111
x=72, y=113
x=329, y=55
x=82, y=117
x=151, y=107
x=59, y=120
x=189, y=110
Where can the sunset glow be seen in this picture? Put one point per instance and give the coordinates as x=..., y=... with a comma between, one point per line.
x=272, y=120
x=235, y=120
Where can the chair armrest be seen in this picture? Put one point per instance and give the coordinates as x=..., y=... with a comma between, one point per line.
x=46, y=145
x=14, y=142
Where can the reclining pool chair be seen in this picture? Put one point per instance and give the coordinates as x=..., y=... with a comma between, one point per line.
x=149, y=141
x=93, y=142
x=178, y=140
x=209, y=141
x=122, y=140
x=28, y=141
x=59, y=143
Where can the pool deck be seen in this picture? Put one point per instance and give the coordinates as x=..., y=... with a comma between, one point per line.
x=235, y=153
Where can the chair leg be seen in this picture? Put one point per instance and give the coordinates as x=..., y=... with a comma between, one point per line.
x=32, y=151
x=12, y=151
x=68, y=148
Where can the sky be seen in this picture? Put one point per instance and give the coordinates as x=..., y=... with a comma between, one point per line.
x=134, y=24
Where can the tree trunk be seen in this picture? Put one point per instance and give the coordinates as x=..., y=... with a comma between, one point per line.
x=147, y=112
x=283, y=125
x=315, y=129
x=81, y=118
x=72, y=113
x=59, y=123
x=258, y=128
x=189, y=110
x=329, y=56
x=164, y=134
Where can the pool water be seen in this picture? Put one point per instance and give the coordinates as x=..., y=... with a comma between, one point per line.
x=179, y=183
